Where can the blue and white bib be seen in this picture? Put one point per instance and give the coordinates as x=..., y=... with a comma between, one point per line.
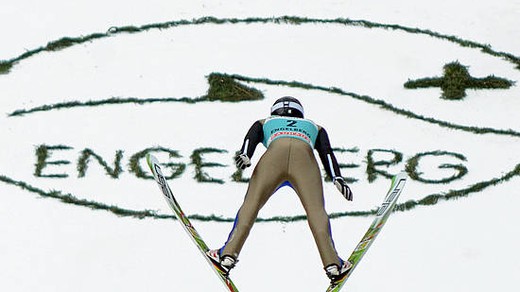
x=288, y=127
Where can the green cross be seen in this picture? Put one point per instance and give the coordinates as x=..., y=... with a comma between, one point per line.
x=456, y=80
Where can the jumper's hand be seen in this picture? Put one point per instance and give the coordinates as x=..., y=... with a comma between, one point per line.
x=242, y=161
x=343, y=188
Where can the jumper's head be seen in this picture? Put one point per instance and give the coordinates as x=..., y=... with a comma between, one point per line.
x=287, y=106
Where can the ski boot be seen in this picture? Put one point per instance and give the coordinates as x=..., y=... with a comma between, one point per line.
x=223, y=263
x=335, y=273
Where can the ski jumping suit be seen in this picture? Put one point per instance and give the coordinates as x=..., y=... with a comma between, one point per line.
x=289, y=159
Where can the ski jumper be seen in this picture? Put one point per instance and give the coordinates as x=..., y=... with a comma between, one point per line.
x=289, y=158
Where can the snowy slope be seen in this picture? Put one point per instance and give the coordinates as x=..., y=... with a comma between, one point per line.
x=58, y=244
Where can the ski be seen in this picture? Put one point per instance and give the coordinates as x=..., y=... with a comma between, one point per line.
x=153, y=163
x=382, y=215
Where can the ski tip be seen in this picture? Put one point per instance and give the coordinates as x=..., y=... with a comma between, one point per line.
x=153, y=164
x=400, y=176
x=151, y=160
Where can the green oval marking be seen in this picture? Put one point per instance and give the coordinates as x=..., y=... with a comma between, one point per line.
x=214, y=94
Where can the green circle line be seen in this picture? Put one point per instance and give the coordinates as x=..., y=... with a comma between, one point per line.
x=428, y=200
x=66, y=42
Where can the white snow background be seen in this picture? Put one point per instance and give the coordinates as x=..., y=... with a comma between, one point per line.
x=469, y=244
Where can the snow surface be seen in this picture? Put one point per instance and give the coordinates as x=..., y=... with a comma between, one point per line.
x=469, y=244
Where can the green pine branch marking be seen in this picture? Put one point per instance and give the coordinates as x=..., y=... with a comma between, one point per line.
x=222, y=84
x=221, y=88
x=198, y=161
x=42, y=155
x=456, y=80
x=86, y=156
x=235, y=90
x=102, y=102
x=67, y=42
x=225, y=88
x=378, y=102
x=142, y=214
